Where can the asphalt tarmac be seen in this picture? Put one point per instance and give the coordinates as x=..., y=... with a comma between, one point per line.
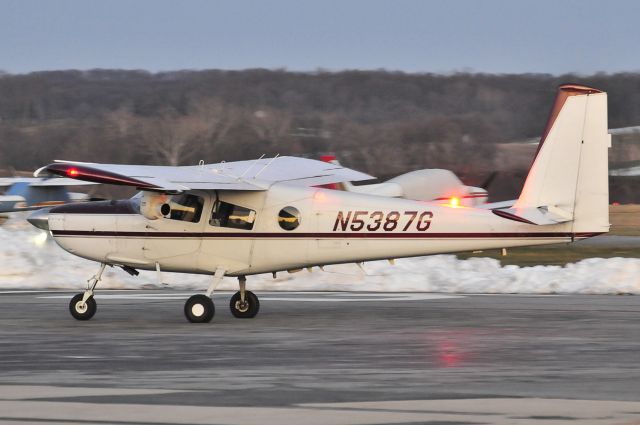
x=322, y=358
x=610, y=241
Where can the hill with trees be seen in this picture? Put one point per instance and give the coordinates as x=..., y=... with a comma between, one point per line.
x=384, y=123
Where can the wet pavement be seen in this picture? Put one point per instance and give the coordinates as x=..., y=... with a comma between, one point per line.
x=352, y=358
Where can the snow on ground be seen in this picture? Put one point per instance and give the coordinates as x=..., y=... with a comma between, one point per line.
x=30, y=260
x=626, y=172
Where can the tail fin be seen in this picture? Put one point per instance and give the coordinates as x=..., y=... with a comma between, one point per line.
x=568, y=180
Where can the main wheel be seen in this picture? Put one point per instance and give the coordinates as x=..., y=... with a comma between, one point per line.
x=80, y=310
x=246, y=310
x=199, y=309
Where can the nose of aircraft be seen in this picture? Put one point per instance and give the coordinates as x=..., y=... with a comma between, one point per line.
x=40, y=219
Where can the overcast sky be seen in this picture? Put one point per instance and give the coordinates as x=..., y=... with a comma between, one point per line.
x=416, y=36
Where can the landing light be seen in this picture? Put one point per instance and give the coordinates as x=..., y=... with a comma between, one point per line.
x=40, y=239
x=454, y=202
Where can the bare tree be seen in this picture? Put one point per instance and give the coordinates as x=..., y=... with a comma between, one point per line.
x=174, y=139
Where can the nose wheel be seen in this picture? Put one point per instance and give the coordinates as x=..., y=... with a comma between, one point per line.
x=82, y=309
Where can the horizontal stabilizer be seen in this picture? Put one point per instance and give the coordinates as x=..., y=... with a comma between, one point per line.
x=539, y=216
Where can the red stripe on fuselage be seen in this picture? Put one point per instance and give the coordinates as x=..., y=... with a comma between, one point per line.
x=482, y=195
x=329, y=235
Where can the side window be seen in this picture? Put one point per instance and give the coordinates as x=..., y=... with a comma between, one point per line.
x=289, y=218
x=186, y=207
x=230, y=215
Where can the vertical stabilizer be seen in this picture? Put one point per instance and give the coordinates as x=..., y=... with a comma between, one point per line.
x=568, y=180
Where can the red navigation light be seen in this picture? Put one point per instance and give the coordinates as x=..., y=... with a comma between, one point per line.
x=328, y=158
x=72, y=172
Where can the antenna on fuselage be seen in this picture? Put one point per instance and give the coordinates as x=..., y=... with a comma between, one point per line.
x=265, y=167
x=250, y=167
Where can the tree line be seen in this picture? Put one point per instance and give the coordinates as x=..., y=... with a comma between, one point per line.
x=380, y=122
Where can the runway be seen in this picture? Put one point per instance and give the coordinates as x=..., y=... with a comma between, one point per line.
x=610, y=241
x=322, y=358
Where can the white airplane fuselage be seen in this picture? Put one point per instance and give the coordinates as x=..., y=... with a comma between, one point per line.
x=269, y=215
x=334, y=227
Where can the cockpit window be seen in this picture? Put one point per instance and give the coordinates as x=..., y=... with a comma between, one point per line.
x=186, y=207
x=230, y=215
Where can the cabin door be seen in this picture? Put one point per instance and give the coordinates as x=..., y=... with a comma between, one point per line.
x=175, y=240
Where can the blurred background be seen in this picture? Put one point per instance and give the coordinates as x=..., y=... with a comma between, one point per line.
x=387, y=87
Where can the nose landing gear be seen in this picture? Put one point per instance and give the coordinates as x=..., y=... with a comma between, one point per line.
x=82, y=309
x=83, y=306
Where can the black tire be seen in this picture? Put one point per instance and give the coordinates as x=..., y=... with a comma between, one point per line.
x=199, y=309
x=248, y=311
x=85, y=312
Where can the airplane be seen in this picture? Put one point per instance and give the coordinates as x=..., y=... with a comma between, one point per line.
x=28, y=193
x=266, y=216
x=431, y=184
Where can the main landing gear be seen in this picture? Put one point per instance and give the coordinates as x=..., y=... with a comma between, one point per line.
x=198, y=308
x=244, y=304
x=83, y=306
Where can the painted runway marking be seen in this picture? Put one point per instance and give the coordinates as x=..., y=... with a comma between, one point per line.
x=82, y=357
x=30, y=392
x=22, y=404
x=25, y=291
x=381, y=297
x=328, y=297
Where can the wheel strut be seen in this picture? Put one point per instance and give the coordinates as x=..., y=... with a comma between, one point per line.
x=199, y=308
x=242, y=282
x=93, y=282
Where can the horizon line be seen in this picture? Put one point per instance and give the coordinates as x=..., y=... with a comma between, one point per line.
x=319, y=71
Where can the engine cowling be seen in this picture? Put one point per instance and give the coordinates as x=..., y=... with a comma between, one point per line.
x=438, y=185
x=429, y=184
x=154, y=205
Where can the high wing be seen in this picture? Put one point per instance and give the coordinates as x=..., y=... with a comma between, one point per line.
x=258, y=174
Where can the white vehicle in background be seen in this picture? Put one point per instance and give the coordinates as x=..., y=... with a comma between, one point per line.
x=268, y=215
